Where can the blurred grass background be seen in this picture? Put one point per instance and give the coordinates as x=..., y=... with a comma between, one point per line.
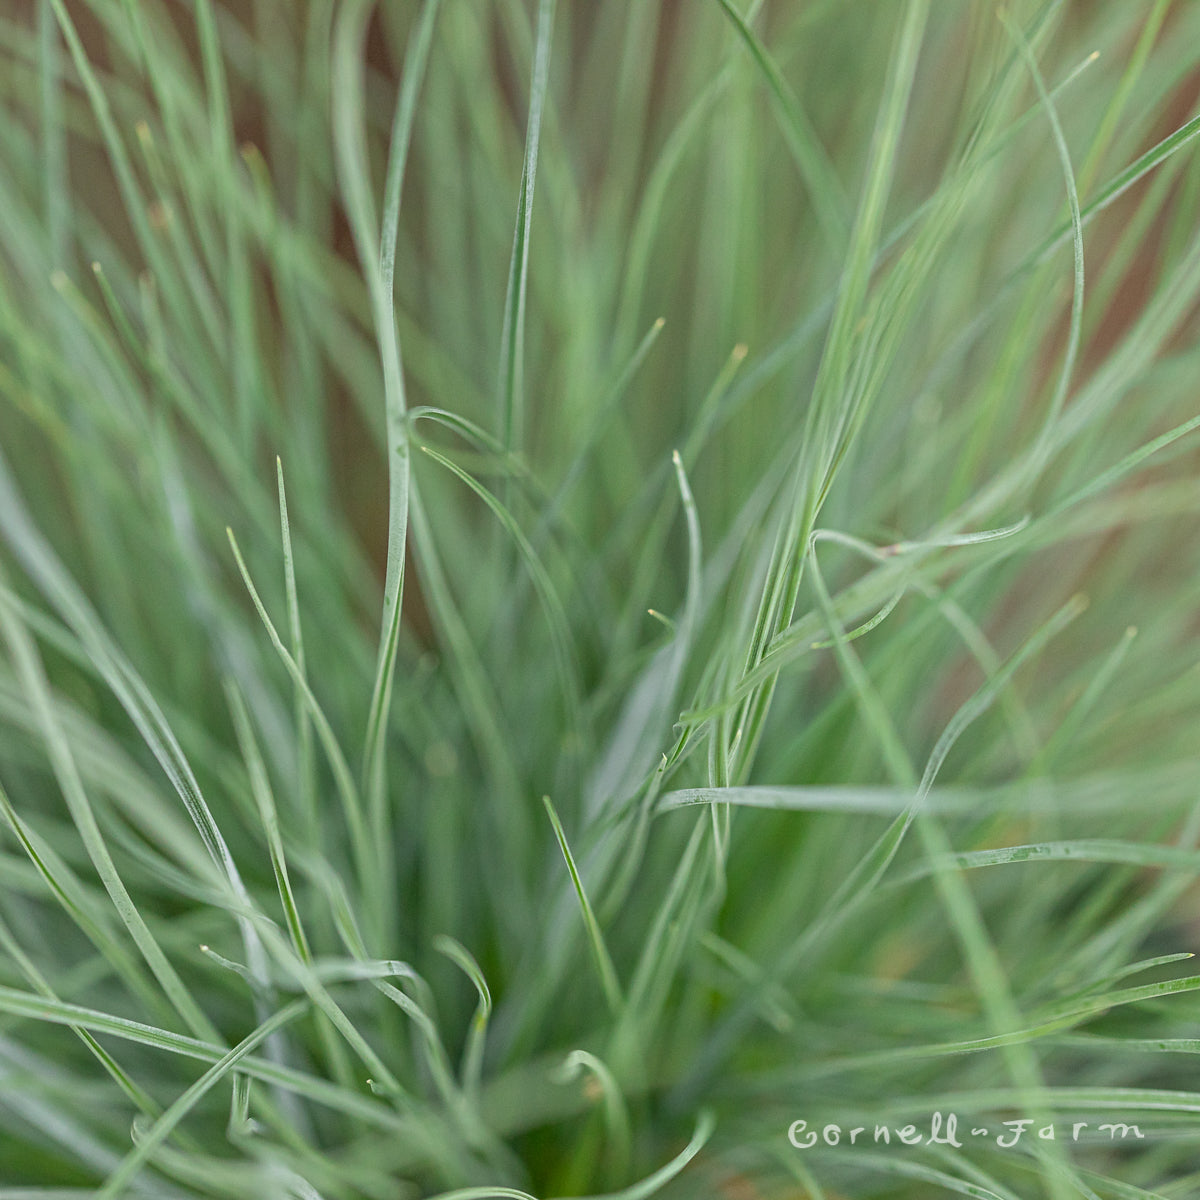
x=767, y=432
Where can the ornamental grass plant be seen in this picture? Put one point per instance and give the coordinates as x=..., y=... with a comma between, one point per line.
x=597, y=596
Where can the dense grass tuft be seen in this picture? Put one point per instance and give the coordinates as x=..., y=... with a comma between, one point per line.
x=584, y=584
